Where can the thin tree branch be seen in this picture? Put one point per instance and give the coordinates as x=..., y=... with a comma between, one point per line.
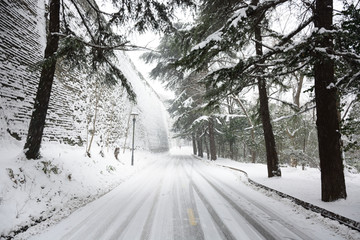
x=123, y=47
x=347, y=110
x=291, y=105
x=84, y=21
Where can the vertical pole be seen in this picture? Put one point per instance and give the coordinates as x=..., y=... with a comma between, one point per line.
x=133, y=138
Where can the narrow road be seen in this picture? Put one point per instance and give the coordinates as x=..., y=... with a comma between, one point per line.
x=183, y=198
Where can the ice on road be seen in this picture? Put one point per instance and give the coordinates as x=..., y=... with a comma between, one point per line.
x=181, y=197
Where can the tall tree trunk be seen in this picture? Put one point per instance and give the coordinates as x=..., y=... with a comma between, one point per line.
x=244, y=151
x=331, y=163
x=253, y=154
x=207, y=148
x=231, y=148
x=200, y=146
x=220, y=149
x=94, y=122
x=212, y=140
x=271, y=154
x=297, y=92
x=194, y=144
x=127, y=129
x=305, y=138
x=223, y=151
x=37, y=122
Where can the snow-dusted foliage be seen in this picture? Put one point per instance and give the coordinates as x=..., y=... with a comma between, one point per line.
x=76, y=96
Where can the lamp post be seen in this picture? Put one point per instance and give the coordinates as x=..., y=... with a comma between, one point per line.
x=134, y=115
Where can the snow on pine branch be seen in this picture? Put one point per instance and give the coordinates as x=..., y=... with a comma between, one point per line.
x=228, y=117
x=215, y=37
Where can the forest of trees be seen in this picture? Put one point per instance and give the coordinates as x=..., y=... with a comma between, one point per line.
x=299, y=58
x=91, y=47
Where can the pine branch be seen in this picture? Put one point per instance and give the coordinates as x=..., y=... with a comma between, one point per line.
x=263, y=44
x=244, y=68
x=285, y=117
x=278, y=74
x=83, y=20
x=96, y=9
x=123, y=79
x=123, y=46
x=291, y=105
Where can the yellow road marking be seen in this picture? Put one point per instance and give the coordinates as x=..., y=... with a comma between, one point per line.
x=191, y=216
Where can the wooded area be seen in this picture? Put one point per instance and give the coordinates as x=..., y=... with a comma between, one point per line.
x=304, y=60
x=299, y=58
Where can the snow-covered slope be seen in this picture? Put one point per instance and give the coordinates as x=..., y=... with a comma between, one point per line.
x=64, y=178
x=59, y=183
x=72, y=105
x=153, y=129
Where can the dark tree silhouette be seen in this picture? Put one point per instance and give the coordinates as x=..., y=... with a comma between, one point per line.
x=37, y=122
x=331, y=162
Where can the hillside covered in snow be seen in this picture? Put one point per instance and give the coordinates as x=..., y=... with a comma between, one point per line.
x=84, y=115
x=81, y=105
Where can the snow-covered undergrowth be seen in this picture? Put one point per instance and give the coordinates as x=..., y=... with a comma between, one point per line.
x=305, y=185
x=57, y=184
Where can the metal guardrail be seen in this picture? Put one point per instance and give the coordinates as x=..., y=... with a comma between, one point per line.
x=325, y=213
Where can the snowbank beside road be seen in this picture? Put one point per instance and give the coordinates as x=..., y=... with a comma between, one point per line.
x=302, y=184
x=64, y=180
x=305, y=185
x=54, y=186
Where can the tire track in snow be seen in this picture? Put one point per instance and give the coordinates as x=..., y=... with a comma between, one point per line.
x=271, y=214
x=188, y=206
x=108, y=215
x=149, y=224
x=221, y=227
x=256, y=223
x=121, y=229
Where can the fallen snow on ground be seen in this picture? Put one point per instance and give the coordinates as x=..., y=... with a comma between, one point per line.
x=302, y=184
x=64, y=180
x=59, y=183
x=305, y=185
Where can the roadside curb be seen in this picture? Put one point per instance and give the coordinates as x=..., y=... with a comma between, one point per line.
x=325, y=213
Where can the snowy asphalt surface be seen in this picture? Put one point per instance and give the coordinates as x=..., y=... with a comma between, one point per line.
x=180, y=197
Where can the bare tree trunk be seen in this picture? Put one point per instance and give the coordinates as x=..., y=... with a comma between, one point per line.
x=194, y=144
x=253, y=156
x=305, y=138
x=300, y=81
x=219, y=149
x=127, y=130
x=223, y=149
x=212, y=139
x=94, y=124
x=207, y=148
x=200, y=146
x=271, y=154
x=251, y=124
x=41, y=105
x=244, y=151
x=331, y=162
x=231, y=148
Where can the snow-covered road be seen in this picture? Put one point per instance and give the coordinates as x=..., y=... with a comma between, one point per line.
x=181, y=197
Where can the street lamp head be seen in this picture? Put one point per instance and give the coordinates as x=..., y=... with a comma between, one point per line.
x=134, y=114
